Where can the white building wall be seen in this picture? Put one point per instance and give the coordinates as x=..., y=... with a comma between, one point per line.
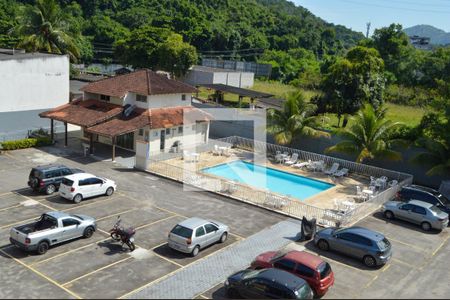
x=247, y=79
x=168, y=100
x=220, y=78
x=34, y=83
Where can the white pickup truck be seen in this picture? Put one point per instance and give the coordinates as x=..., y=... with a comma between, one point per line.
x=52, y=228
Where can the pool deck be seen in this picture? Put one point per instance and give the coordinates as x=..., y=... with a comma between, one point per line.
x=344, y=189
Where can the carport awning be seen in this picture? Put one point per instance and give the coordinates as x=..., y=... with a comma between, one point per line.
x=83, y=113
x=236, y=90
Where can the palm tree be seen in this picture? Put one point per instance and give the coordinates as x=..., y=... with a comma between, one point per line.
x=369, y=137
x=43, y=28
x=295, y=119
x=437, y=156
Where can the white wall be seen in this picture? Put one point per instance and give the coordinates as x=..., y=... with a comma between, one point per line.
x=247, y=79
x=168, y=100
x=34, y=83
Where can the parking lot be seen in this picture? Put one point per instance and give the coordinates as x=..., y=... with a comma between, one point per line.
x=100, y=268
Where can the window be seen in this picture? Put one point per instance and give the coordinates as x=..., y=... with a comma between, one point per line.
x=210, y=228
x=96, y=181
x=304, y=271
x=70, y=222
x=155, y=133
x=84, y=182
x=105, y=97
x=200, y=231
x=324, y=270
x=66, y=172
x=67, y=182
x=419, y=210
x=52, y=174
x=167, y=131
x=180, y=130
x=141, y=132
x=406, y=207
x=182, y=231
x=275, y=292
x=285, y=264
x=141, y=98
x=346, y=237
x=183, y=97
x=428, y=198
x=362, y=240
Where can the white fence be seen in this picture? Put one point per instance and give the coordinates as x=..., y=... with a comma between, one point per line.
x=276, y=202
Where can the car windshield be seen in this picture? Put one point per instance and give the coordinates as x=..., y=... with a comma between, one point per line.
x=182, y=231
x=278, y=255
x=383, y=244
x=251, y=273
x=77, y=216
x=324, y=269
x=443, y=199
x=35, y=173
x=67, y=182
x=304, y=292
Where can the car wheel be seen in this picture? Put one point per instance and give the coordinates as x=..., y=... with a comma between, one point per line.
x=323, y=245
x=369, y=261
x=389, y=214
x=109, y=191
x=50, y=189
x=426, y=226
x=224, y=237
x=42, y=248
x=88, y=232
x=195, y=251
x=77, y=198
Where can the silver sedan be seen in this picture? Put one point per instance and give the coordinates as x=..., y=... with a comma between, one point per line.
x=194, y=234
x=422, y=213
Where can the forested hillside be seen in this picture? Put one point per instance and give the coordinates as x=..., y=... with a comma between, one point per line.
x=218, y=25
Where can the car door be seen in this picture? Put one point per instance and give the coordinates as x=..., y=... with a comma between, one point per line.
x=212, y=233
x=418, y=214
x=83, y=187
x=404, y=211
x=361, y=245
x=306, y=273
x=71, y=228
x=345, y=243
x=97, y=187
x=200, y=237
x=254, y=289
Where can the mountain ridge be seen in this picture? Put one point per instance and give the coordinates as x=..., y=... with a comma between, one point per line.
x=437, y=36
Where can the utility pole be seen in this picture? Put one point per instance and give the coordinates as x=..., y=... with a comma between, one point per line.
x=368, y=29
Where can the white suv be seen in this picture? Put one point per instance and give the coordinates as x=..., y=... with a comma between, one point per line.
x=77, y=187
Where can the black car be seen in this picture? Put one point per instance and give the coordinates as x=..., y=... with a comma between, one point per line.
x=267, y=283
x=425, y=194
x=47, y=178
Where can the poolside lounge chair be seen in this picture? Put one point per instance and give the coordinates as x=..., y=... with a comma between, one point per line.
x=302, y=164
x=293, y=160
x=216, y=150
x=341, y=172
x=332, y=170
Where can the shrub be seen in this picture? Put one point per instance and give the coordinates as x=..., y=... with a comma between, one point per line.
x=413, y=96
x=26, y=143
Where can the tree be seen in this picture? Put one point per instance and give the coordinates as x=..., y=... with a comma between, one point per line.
x=296, y=119
x=176, y=56
x=370, y=136
x=43, y=27
x=353, y=80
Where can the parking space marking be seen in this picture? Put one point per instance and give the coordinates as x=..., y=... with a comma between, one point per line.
x=97, y=270
x=152, y=205
x=155, y=222
x=440, y=246
x=403, y=263
x=201, y=295
x=406, y=244
x=4, y=194
x=387, y=266
x=42, y=275
x=6, y=208
x=90, y=203
x=67, y=252
x=28, y=198
x=117, y=214
x=12, y=224
x=173, y=272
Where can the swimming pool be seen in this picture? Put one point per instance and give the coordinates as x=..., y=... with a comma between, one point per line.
x=267, y=178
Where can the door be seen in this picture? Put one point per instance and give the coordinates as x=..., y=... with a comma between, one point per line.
x=344, y=243
x=70, y=229
x=404, y=212
x=285, y=264
x=162, y=140
x=254, y=289
x=84, y=187
x=97, y=187
x=418, y=214
x=200, y=237
x=212, y=233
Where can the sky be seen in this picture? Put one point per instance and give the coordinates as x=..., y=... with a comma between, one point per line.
x=356, y=13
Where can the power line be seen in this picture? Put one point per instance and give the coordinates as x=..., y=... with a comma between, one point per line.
x=398, y=8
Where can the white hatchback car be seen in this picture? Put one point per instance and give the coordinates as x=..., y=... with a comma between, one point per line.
x=80, y=186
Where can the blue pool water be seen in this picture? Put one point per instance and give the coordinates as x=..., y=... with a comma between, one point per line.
x=266, y=178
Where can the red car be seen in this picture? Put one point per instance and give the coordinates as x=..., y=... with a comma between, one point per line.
x=310, y=267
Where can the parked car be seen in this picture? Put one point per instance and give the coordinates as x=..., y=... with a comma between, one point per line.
x=47, y=178
x=418, y=212
x=307, y=266
x=267, y=284
x=362, y=243
x=51, y=228
x=194, y=234
x=80, y=186
x=425, y=194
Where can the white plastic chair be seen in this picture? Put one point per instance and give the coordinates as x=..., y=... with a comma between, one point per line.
x=341, y=172
x=333, y=169
x=293, y=160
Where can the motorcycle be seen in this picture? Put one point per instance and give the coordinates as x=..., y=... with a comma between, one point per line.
x=120, y=234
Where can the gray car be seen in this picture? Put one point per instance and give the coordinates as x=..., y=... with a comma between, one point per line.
x=362, y=243
x=418, y=212
x=194, y=234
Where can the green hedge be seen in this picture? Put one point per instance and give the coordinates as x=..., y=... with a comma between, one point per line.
x=26, y=143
